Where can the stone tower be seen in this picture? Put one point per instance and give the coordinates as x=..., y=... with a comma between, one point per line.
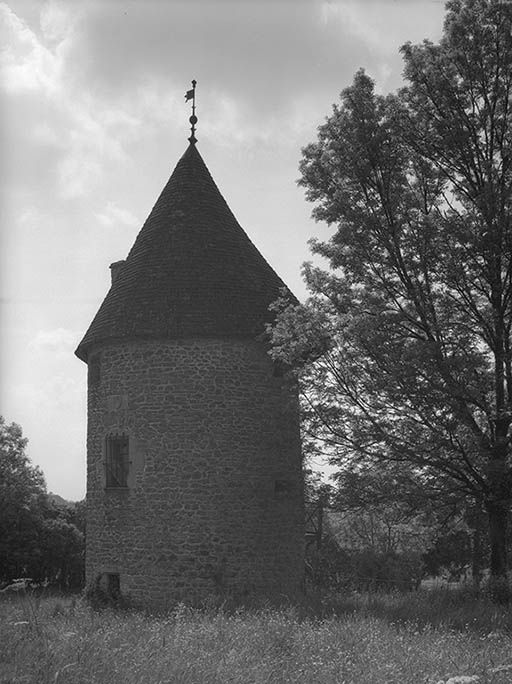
x=194, y=479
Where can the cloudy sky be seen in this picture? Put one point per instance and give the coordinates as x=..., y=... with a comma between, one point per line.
x=93, y=122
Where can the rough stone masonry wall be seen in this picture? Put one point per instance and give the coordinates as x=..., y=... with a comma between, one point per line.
x=215, y=495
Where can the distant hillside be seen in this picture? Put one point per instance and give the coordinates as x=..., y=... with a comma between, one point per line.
x=61, y=501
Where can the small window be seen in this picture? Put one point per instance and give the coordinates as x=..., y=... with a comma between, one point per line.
x=113, y=585
x=93, y=368
x=117, y=462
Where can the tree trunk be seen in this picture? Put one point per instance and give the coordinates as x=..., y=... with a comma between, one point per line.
x=498, y=518
x=476, y=551
x=497, y=506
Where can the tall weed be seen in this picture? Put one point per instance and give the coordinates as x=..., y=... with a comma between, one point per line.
x=353, y=639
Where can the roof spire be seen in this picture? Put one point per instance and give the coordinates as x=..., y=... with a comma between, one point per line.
x=191, y=95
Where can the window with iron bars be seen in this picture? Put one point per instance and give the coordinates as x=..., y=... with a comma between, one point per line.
x=117, y=461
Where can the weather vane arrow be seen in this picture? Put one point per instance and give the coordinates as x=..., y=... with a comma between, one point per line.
x=191, y=95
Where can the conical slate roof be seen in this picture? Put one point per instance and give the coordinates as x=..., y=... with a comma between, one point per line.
x=192, y=272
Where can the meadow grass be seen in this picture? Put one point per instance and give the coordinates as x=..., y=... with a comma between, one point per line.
x=422, y=637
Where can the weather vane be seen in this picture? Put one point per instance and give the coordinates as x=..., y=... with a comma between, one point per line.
x=191, y=95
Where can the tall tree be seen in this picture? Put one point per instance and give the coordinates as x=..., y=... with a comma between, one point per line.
x=22, y=487
x=408, y=333
x=38, y=539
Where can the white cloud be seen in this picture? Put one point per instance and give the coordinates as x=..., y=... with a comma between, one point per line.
x=30, y=216
x=44, y=134
x=383, y=26
x=114, y=215
x=54, y=393
x=58, y=341
x=57, y=20
x=77, y=175
x=86, y=130
x=348, y=13
x=25, y=63
x=97, y=133
x=231, y=127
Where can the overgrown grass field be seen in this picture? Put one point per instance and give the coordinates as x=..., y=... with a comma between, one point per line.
x=423, y=637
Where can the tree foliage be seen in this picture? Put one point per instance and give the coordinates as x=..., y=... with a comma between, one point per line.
x=38, y=539
x=382, y=531
x=406, y=339
x=22, y=487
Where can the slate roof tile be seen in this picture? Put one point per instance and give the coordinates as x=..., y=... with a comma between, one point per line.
x=192, y=271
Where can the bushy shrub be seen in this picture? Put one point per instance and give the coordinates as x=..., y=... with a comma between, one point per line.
x=363, y=569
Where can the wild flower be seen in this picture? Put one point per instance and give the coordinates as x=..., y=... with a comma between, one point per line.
x=77, y=644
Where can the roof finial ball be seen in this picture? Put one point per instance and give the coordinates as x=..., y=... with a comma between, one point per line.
x=191, y=95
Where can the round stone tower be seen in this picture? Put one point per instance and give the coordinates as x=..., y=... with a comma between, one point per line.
x=194, y=479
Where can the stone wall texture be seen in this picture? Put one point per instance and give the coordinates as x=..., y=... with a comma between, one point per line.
x=214, y=502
